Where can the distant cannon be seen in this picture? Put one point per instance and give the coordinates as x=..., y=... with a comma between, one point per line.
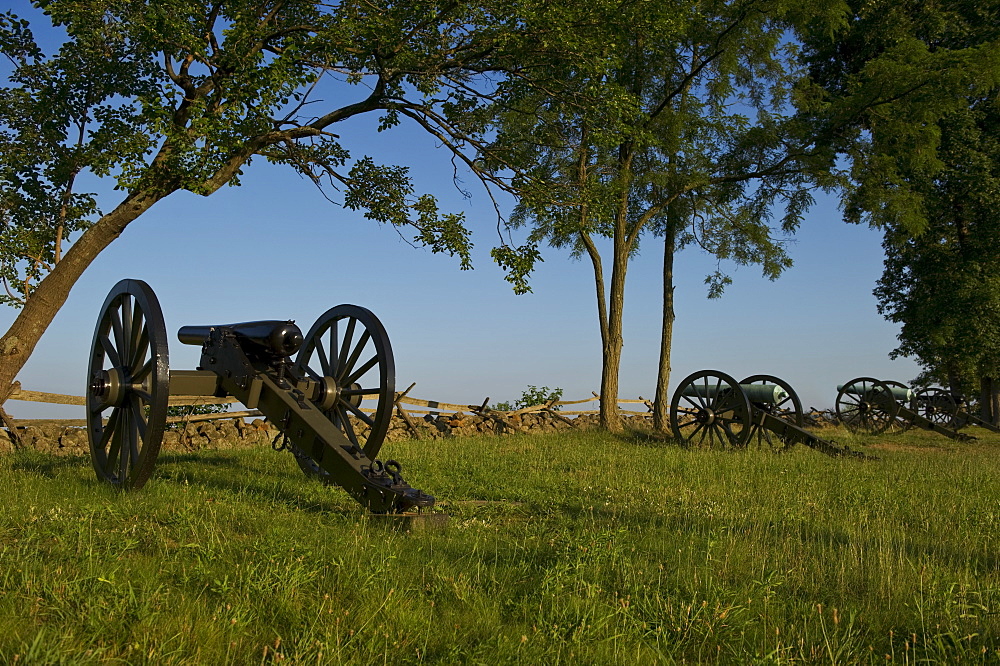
x=943, y=407
x=710, y=408
x=873, y=406
x=315, y=400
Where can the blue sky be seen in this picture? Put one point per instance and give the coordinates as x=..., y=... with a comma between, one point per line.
x=275, y=248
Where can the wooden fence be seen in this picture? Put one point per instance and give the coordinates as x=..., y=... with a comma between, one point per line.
x=424, y=407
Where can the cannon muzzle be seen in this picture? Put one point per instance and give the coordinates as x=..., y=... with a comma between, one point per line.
x=280, y=338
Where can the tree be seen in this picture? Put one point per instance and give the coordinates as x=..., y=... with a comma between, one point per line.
x=667, y=118
x=924, y=167
x=180, y=95
x=943, y=285
x=880, y=85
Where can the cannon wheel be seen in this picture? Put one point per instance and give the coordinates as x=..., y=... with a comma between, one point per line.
x=865, y=411
x=715, y=412
x=898, y=425
x=128, y=374
x=347, y=350
x=789, y=409
x=937, y=405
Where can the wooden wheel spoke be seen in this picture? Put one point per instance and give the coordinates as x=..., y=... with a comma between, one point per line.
x=703, y=396
x=717, y=394
x=332, y=359
x=361, y=371
x=133, y=448
x=143, y=372
x=117, y=450
x=364, y=391
x=324, y=361
x=126, y=323
x=730, y=415
x=128, y=451
x=112, y=352
x=691, y=402
x=724, y=426
x=345, y=347
x=360, y=414
x=109, y=430
x=140, y=348
x=139, y=418
x=345, y=423
x=352, y=361
x=128, y=432
x=145, y=396
x=135, y=328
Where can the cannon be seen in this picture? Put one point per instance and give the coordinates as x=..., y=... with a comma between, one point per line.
x=315, y=400
x=942, y=406
x=873, y=406
x=711, y=408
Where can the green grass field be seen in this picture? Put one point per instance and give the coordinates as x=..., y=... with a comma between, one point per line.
x=570, y=548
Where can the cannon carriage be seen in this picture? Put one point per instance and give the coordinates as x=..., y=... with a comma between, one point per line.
x=710, y=408
x=874, y=406
x=315, y=400
x=944, y=407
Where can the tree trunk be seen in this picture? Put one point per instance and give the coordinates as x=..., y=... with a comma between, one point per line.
x=20, y=340
x=661, y=402
x=612, y=348
x=954, y=379
x=611, y=337
x=611, y=419
x=989, y=400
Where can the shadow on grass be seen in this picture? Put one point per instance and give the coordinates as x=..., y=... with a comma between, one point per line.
x=46, y=465
x=272, y=486
x=645, y=437
x=217, y=470
x=913, y=548
x=210, y=458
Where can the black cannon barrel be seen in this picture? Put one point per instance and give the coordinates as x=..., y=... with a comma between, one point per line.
x=282, y=338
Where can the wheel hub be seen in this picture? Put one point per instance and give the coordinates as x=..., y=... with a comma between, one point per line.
x=354, y=399
x=327, y=394
x=705, y=416
x=330, y=392
x=107, y=385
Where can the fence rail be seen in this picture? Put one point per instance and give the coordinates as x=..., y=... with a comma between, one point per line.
x=430, y=407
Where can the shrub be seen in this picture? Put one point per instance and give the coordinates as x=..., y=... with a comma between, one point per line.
x=192, y=410
x=531, y=396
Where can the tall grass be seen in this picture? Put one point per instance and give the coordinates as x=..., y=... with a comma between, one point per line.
x=568, y=548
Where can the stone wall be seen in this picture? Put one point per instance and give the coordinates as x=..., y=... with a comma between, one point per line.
x=234, y=433
x=222, y=434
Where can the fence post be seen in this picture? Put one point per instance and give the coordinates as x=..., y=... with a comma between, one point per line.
x=402, y=412
x=8, y=422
